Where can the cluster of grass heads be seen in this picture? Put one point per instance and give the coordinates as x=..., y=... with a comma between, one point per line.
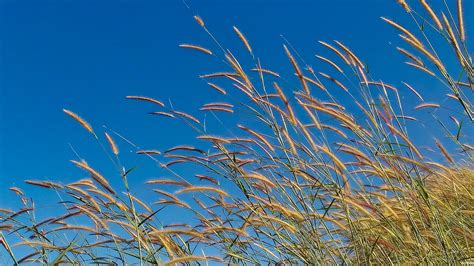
x=307, y=182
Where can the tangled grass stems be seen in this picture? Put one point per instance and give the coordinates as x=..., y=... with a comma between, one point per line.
x=313, y=180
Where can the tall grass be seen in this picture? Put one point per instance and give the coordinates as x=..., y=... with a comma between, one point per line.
x=311, y=178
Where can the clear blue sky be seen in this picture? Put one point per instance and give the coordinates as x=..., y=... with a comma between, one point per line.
x=88, y=55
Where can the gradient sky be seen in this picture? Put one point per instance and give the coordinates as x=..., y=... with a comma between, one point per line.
x=88, y=55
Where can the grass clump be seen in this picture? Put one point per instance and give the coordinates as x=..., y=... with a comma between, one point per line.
x=326, y=173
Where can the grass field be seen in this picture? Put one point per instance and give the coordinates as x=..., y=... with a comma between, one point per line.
x=323, y=172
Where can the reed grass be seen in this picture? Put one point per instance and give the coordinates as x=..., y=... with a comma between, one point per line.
x=313, y=180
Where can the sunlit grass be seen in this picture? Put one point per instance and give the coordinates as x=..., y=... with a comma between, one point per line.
x=324, y=172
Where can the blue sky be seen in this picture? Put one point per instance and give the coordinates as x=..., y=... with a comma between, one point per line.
x=88, y=55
